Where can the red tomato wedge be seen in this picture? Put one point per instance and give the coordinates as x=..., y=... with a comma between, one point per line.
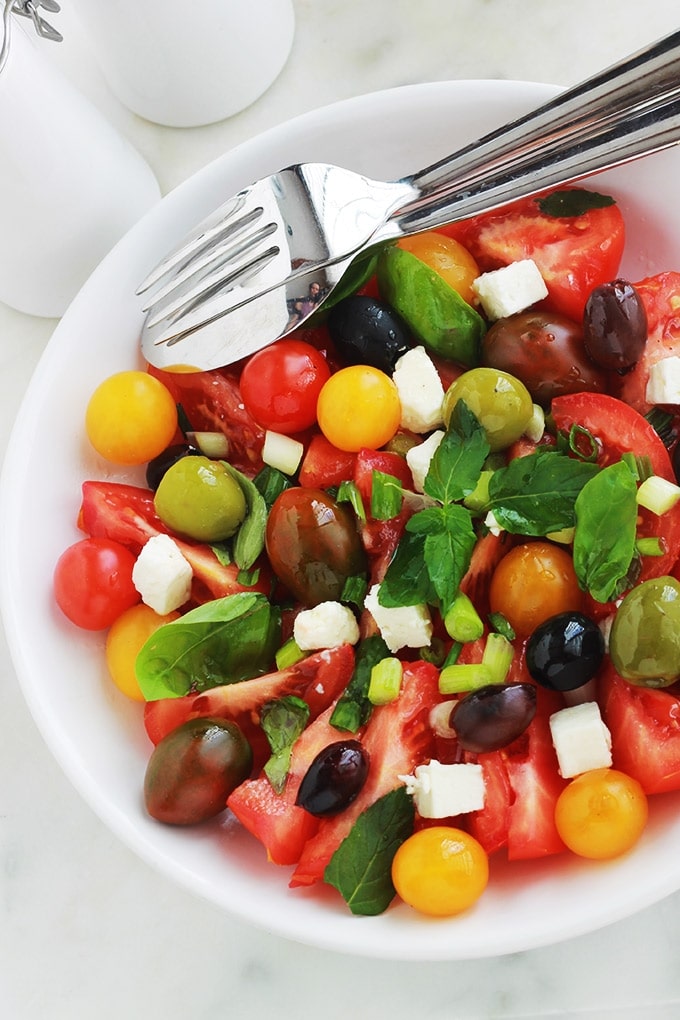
x=573, y=253
x=126, y=514
x=274, y=819
x=324, y=465
x=319, y=680
x=397, y=738
x=645, y=728
x=661, y=297
x=380, y=538
x=212, y=402
x=618, y=428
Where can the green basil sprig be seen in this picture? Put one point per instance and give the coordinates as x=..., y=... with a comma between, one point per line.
x=604, y=540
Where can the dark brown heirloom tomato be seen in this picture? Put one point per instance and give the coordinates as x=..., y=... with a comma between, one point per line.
x=545, y=351
x=313, y=545
x=193, y=770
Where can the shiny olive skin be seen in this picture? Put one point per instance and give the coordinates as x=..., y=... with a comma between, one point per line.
x=194, y=769
x=334, y=779
x=313, y=544
x=199, y=498
x=157, y=467
x=546, y=351
x=565, y=651
x=367, y=331
x=499, y=400
x=644, y=643
x=493, y=716
x=615, y=326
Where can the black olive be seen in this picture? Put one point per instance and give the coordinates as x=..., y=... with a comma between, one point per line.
x=334, y=778
x=493, y=716
x=367, y=331
x=565, y=651
x=157, y=467
x=615, y=326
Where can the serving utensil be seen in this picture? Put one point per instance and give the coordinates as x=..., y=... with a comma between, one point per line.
x=250, y=272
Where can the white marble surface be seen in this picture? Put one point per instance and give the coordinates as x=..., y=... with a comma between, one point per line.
x=89, y=931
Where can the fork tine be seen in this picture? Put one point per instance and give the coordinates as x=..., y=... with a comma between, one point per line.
x=202, y=270
x=209, y=285
x=224, y=220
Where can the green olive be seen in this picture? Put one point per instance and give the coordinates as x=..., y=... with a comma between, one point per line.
x=500, y=402
x=197, y=497
x=644, y=643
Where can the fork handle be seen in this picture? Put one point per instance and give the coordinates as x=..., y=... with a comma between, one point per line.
x=628, y=110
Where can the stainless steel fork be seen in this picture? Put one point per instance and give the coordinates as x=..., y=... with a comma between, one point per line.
x=231, y=287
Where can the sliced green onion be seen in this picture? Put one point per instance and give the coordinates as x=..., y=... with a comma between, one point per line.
x=479, y=497
x=386, y=496
x=349, y=493
x=453, y=655
x=565, y=536
x=464, y=677
x=462, y=621
x=271, y=483
x=662, y=423
x=583, y=443
x=435, y=652
x=658, y=494
x=288, y=654
x=282, y=452
x=640, y=467
x=649, y=547
x=214, y=445
x=385, y=682
x=354, y=590
x=497, y=656
x=183, y=421
x=502, y=625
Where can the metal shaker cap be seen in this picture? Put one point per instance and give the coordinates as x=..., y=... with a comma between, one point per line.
x=27, y=9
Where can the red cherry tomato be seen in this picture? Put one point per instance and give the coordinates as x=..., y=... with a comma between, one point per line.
x=93, y=582
x=280, y=385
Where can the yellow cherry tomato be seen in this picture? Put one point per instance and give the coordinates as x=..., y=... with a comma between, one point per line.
x=533, y=582
x=359, y=407
x=131, y=418
x=440, y=871
x=601, y=814
x=447, y=257
x=123, y=642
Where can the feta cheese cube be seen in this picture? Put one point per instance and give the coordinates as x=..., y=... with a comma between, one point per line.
x=443, y=791
x=420, y=391
x=510, y=289
x=401, y=626
x=581, y=739
x=418, y=458
x=161, y=575
x=325, y=626
x=663, y=384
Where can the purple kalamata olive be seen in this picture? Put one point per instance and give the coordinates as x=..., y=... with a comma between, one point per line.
x=334, y=779
x=493, y=716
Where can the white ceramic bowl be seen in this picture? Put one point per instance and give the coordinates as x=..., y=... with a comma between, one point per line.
x=97, y=736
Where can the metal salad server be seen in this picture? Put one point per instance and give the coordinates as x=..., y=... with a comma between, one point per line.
x=231, y=286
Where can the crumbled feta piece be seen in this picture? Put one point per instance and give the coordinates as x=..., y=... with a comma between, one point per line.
x=510, y=289
x=420, y=391
x=325, y=626
x=443, y=791
x=161, y=575
x=418, y=458
x=663, y=384
x=581, y=739
x=492, y=524
x=401, y=626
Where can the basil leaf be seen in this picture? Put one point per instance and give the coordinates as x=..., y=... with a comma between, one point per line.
x=222, y=642
x=457, y=462
x=604, y=540
x=535, y=495
x=283, y=721
x=353, y=708
x=407, y=579
x=573, y=202
x=448, y=552
x=361, y=867
x=248, y=542
x=386, y=496
x=435, y=313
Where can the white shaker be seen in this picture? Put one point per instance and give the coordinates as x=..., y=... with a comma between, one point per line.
x=186, y=64
x=70, y=185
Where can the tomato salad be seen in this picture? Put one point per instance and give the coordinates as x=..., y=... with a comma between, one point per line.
x=402, y=590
